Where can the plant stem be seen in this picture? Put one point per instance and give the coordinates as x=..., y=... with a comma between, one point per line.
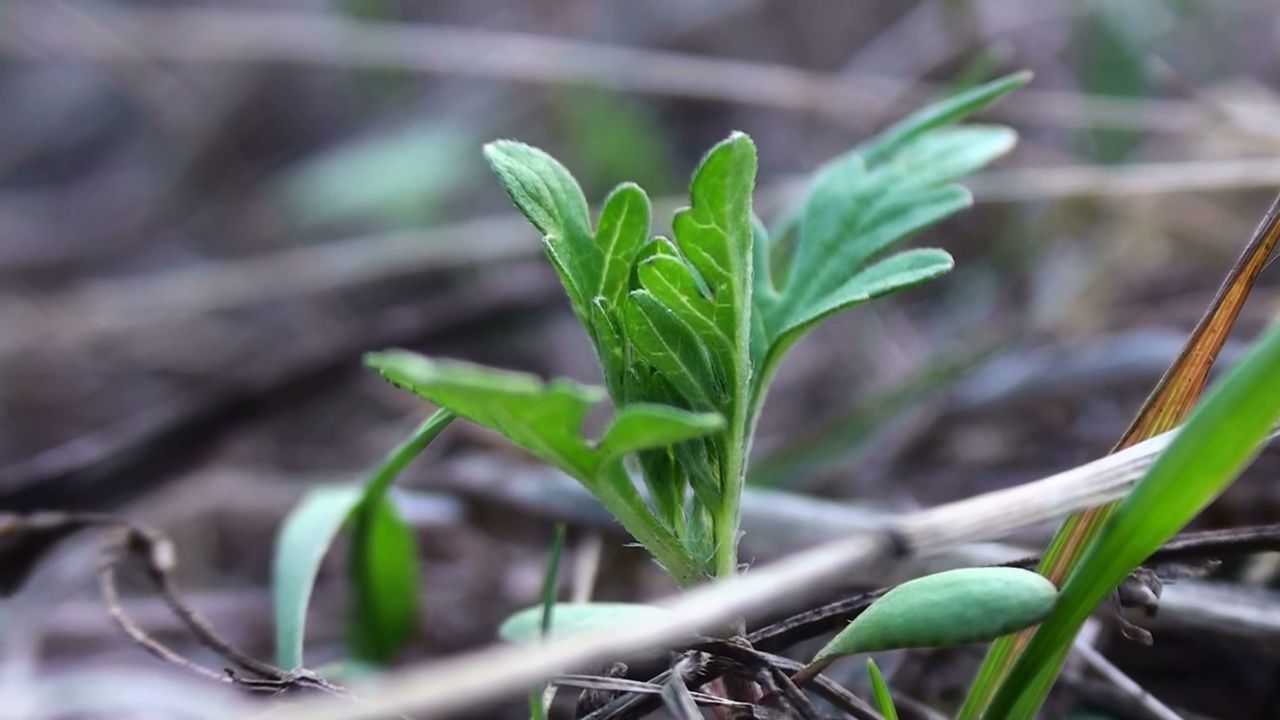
x=726, y=520
x=617, y=493
x=404, y=453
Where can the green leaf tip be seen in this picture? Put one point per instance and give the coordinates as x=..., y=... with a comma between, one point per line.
x=955, y=607
x=880, y=691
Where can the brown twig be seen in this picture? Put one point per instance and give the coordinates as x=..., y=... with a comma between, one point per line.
x=156, y=554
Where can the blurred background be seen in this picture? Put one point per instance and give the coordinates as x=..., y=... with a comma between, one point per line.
x=209, y=210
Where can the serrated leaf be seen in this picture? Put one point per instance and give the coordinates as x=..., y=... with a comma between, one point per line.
x=670, y=346
x=692, y=318
x=546, y=193
x=384, y=576
x=862, y=203
x=895, y=272
x=594, y=266
x=569, y=619
x=546, y=420
x=880, y=691
x=941, y=113
x=1223, y=434
x=301, y=545
x=955, y=607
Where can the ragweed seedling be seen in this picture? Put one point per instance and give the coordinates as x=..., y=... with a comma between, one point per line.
x=690, y=329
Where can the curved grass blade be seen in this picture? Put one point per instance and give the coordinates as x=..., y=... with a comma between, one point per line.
x=1166, y=406
x=303, y=541
x=1221, y=437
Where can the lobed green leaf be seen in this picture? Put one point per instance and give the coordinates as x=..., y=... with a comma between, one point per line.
x=546, y=420
x=861, y=204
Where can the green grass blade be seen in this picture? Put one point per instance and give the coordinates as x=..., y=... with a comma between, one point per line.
x=551, y=579
x=384, y=580
x=879, y=689
x=1167, y=406
x=550, y=583
x=1223, y=434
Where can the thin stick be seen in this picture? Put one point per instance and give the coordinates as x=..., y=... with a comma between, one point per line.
x=1132, y=690
x=240, y=37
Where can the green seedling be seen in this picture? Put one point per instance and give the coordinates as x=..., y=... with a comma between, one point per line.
x=955, y=607
x=384, y=570
x=690, y=329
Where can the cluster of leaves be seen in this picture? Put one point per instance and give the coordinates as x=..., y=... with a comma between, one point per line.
x=690, y=329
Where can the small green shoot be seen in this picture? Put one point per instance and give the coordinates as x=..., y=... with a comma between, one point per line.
x=384, y=573
x=690, y=329
x=550, y=583
x=880, y=691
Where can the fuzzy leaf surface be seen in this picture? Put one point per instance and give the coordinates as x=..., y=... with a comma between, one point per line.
x=546, y=420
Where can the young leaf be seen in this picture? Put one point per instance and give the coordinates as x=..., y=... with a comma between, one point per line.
x=1221, y=437
x=550, y=198
x=384, y=578
x=594, y=267
x=884, y=701
x=692, y=318
x=864, y=202
x=303, y=541
x=942, y=113
x=642, y=425
x=947, y=608
x=546, y=420
x=578, y=619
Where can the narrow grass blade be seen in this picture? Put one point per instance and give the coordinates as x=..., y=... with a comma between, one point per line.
x=1223, y=434
x=550, y=583
x=884, y=701
x=1166, y=406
